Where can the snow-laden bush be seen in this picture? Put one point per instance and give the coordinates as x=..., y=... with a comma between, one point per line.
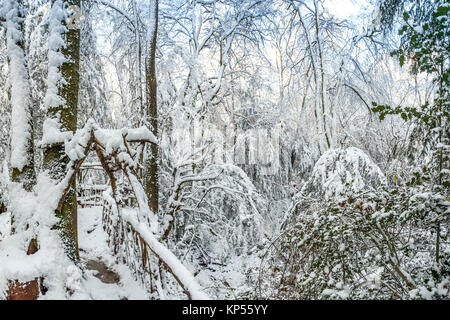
x=337, y=172
x=372, y=245
x=369, y=241
x=340, y=170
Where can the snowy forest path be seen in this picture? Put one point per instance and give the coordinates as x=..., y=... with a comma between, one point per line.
x=105, y=274
x=104, y=278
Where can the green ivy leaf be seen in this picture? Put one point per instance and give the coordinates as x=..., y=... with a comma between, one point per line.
x=405, y=16
x=442, y=11
x=402, y=60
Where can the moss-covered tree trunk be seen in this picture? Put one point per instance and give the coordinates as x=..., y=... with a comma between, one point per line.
x=151, y=179
x=55, y=159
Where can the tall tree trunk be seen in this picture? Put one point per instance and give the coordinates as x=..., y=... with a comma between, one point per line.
x=137, y=35
x=55, y=159
x=22, y=133
x=316, y=77
x=151, y=183
x=441, y=161
x=322, y=78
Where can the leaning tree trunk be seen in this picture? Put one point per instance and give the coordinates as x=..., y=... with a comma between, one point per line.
x=151, y=179
x=65, y=113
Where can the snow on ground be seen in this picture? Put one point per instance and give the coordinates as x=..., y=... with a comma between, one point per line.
x=93, y=246
x=235, y=280
x=220, y=282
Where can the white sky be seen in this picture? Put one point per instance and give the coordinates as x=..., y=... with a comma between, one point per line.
x=346, y=9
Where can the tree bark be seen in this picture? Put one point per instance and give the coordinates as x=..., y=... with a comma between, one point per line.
x=322, y=80
x=55, y=159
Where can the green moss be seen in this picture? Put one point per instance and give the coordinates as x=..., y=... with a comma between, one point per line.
x=67, y=224
x=55, y=159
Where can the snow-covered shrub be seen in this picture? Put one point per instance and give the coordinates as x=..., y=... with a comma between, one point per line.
x=350, y=235
x=372, y=245
x=341, y=170
x=337, y=172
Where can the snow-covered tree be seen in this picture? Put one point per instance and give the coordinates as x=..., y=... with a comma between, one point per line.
x=61, y=104
x=22, y=143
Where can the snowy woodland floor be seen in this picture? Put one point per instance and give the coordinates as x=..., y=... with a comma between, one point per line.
x=106, y=279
